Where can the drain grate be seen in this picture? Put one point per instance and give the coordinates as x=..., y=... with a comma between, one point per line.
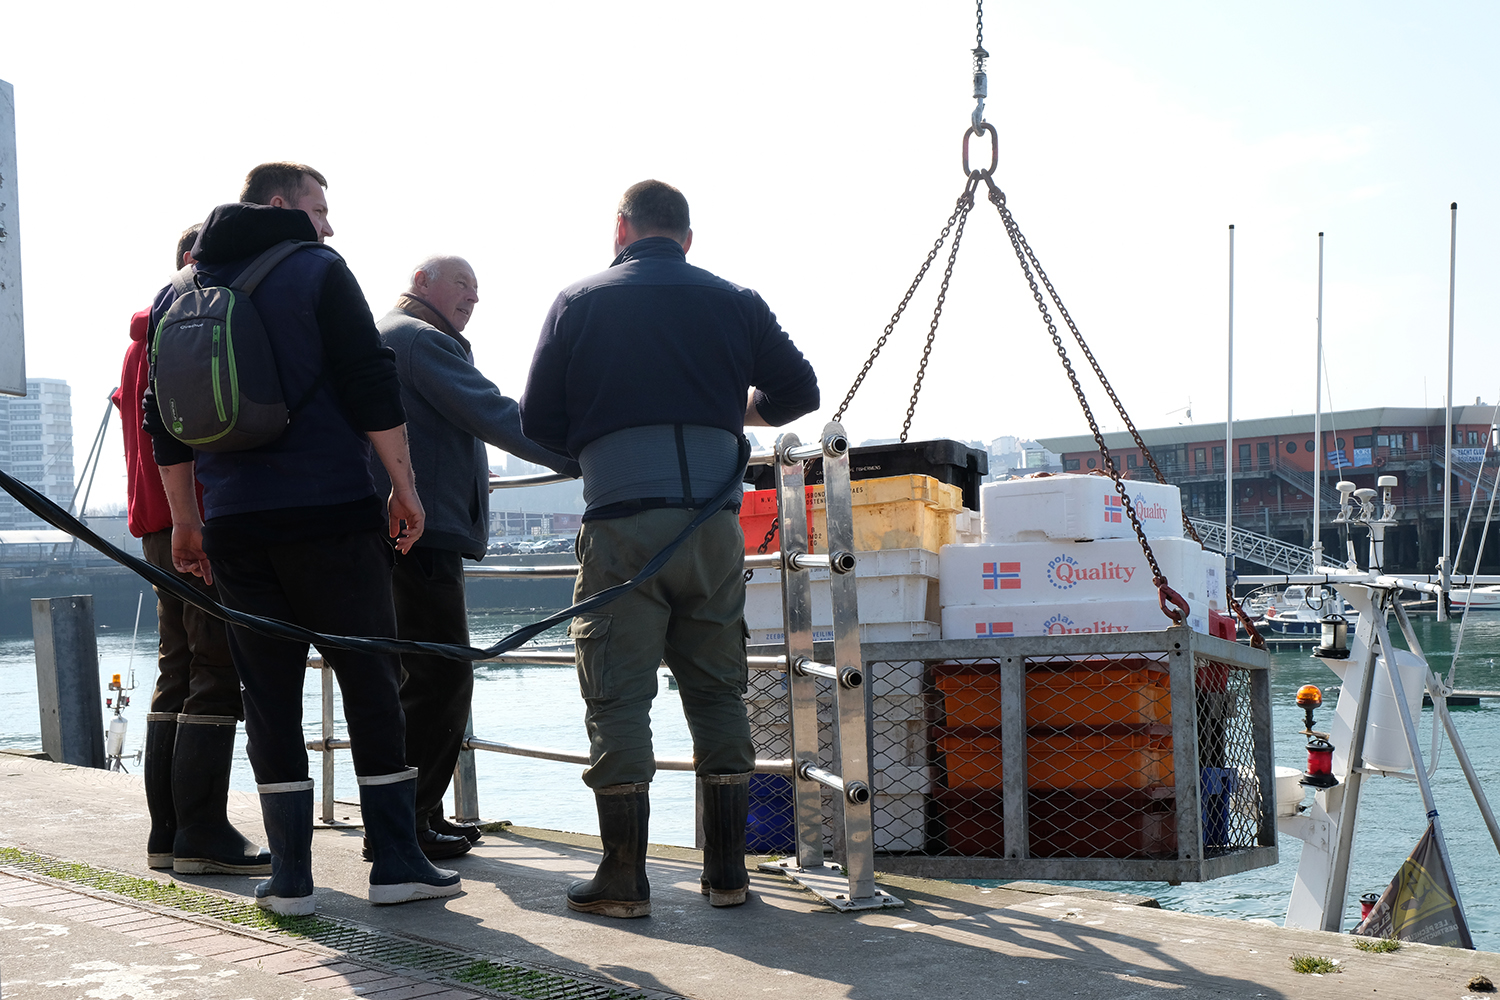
x=501, y=977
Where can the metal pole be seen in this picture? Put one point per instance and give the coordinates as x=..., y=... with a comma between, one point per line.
x=1445, y=567
x=67, y=680
x=1348, y=805
x=327, y=679
x=1317, y=539
x=1229, y=430
x=466, y=780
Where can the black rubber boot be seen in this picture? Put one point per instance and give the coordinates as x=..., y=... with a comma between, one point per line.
x=438, y=823
x=161, y=736
x=620, y=887
x=435, y=846
x=288, y=811
x=206, y=842
x=726, y=807
x=401, y=872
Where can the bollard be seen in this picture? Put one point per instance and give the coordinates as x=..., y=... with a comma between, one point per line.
x=67, y=679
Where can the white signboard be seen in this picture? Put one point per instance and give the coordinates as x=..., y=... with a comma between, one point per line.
x=12, y=336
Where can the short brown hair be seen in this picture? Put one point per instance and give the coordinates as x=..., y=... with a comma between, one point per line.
x=282, y=177
x=185, y=242
x=656, y=208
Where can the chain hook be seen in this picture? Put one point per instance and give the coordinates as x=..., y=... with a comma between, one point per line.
x=981, y=79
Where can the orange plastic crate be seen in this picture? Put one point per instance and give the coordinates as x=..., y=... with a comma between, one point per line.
x=1078, y=758
x=1124, y=693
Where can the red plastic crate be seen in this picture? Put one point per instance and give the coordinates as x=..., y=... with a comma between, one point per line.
x=1063, y=823
x=757, y=511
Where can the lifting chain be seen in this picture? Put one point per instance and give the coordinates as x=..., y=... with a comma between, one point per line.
x=765, y=543
x=1178, y=610
x=1256, y=639
x=965, y=203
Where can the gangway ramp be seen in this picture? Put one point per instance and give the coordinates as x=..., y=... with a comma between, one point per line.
x=1263, y=550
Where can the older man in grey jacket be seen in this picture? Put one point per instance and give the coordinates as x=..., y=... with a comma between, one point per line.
x=452, y=412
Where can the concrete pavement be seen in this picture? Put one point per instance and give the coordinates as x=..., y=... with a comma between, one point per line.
x=510, y=933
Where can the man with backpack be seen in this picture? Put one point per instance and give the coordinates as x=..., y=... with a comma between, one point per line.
x=452, y=411
x=196, y=704
x=293, y=528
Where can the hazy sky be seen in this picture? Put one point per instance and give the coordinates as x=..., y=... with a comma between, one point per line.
x=818, y=144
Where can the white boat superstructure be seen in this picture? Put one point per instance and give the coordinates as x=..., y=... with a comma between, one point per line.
x=1373, y=730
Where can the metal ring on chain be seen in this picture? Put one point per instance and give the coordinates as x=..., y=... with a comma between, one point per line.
x=981, y=129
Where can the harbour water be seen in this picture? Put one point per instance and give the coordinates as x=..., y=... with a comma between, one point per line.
x=540, y=706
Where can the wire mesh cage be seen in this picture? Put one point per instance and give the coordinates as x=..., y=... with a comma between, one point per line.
x=1138, y=757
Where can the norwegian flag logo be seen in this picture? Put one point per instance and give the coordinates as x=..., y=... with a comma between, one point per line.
x=1001, y=576
x=994, y=630
x=1114, y=510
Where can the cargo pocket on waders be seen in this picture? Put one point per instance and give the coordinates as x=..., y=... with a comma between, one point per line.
x=590, y=635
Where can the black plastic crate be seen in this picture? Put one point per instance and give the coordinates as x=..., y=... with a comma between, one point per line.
x=949, y=462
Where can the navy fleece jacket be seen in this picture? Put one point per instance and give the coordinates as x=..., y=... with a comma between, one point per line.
x=654, y=340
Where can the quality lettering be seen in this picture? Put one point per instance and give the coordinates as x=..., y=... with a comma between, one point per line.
x=1069, y=573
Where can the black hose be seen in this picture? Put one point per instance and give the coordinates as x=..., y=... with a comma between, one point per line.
x=54, y=515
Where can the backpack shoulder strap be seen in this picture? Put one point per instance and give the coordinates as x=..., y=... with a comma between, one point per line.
x=185, y=280
x=263, y=265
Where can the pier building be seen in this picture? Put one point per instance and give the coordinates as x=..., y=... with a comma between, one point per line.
x=1275, y=461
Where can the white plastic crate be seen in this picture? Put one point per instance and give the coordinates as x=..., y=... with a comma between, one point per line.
x=894, y=585
x=868, y=632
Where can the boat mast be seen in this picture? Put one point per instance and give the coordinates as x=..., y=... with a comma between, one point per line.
x=1317, y=542
x=1445, y=567
x=1229, y=431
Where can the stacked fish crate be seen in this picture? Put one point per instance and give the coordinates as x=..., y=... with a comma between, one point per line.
x=900, y=523
x=1060, y=557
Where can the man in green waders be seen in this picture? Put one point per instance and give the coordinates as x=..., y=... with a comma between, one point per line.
x=647, y=374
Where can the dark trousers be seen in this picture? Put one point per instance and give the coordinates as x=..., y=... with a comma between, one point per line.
x=339, y=585
x=436, y=691
x=196, y=674
x=691, y=614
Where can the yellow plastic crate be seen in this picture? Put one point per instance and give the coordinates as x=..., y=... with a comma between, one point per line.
x=896, y=512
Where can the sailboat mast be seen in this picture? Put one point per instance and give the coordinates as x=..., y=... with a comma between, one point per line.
x=1317, y=533
x=1229, y=430
x=1445, y=568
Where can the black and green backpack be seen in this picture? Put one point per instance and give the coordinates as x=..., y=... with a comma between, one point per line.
x=213, y=371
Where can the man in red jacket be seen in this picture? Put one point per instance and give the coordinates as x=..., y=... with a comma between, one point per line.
x=196, y=705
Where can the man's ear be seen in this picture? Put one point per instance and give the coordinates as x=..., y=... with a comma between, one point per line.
x=687, y=244
x=419, y=281
x=277, y=201
x=622, y=232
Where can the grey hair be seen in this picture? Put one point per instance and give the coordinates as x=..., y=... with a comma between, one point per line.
x=435, y=265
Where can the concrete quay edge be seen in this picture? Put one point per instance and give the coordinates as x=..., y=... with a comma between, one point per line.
x=951, y=939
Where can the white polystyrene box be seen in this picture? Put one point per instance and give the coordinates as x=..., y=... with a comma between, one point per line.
x=894, y=585
x=1062, y=618
x=1067, y=572
x=1072, y=508
x=1213, y=580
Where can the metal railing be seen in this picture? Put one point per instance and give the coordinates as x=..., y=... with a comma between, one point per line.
x=849, y=882
x=1272, y=553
